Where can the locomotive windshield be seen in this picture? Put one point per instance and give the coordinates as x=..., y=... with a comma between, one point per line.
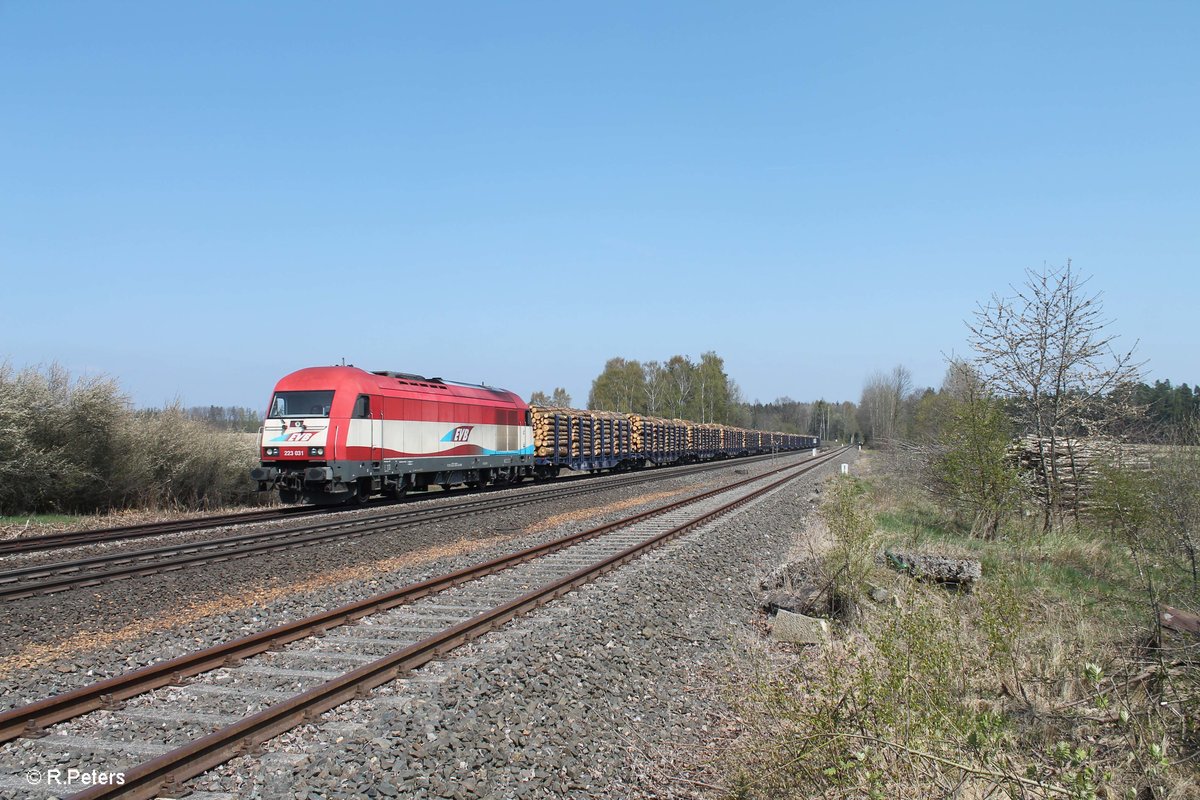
x=301, y=404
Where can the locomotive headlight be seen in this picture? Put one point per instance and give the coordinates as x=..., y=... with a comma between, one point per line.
x=316, y=451
x=271, y=451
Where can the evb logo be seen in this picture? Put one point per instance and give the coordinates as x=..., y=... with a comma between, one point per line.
x=460, y=434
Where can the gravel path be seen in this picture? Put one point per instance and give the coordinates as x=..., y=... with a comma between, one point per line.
x=610, y=692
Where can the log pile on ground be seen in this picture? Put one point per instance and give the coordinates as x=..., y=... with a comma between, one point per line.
x=1073, y=464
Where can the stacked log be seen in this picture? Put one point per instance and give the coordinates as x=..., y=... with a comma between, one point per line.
x=1074, y=464
x=691, y=432
x=656, y=435
x=581, y=434
x=572, y=426
x=611, y=433
x=596, y=434
x=649, y=433
x=676, y=435
x=703, y=436
x=733, y=439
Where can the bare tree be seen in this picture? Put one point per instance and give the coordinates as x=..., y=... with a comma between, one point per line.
x=681, y=375
x=1047, y=351
x=899, y=384
x=655, y=386
x=882, y=402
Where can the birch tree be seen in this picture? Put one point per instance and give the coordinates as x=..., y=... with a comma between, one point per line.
x=1047, y=350
x=654, y=377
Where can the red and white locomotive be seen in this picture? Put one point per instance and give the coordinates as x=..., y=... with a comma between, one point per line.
x=340, y=434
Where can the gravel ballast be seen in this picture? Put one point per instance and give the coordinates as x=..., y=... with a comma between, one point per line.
x=57, y=642
x=611, y=691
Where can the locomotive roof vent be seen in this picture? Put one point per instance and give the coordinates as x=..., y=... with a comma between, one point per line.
x=405, y=376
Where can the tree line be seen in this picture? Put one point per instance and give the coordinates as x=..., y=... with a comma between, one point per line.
x=890, y=408
x=227, y=418
x=702, y=391
x=1038, y=414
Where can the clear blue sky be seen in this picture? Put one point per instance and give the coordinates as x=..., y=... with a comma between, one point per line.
x=198, y=198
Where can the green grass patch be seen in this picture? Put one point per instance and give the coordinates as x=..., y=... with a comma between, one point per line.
x=1083, y=566
x=1039, y=683
x=38, y=519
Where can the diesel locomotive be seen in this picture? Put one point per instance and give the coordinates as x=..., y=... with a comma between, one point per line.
x=341, y=434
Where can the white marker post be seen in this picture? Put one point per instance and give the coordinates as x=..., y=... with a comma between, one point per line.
x=845, y=469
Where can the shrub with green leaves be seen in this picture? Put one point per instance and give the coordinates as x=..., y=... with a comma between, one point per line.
x=851, y=522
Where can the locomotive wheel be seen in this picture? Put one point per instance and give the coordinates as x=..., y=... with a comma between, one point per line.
x=358, y=494
x=289, y=496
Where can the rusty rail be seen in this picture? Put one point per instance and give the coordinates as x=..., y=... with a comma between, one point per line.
x=167, y=772
x=31, y=719
x=40, y=579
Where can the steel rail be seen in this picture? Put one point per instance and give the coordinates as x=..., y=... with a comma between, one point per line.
x=168, y=771
x=56, y=541
x=31, y=720
x=60, y=576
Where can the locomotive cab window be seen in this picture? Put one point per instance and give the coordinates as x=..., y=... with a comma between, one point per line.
x=301, y=404
x=362, y=407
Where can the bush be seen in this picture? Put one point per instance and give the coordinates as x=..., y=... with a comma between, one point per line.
x=74, y=445
x=1039, y=683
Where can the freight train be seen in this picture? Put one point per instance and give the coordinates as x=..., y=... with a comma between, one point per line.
x=337, y=435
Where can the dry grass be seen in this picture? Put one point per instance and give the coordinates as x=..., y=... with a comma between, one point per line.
x=1038, y=684
x=42, y=524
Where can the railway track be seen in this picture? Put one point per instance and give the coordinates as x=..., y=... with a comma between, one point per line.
x=58, y=541
x=231, y=695
x=59, y=576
